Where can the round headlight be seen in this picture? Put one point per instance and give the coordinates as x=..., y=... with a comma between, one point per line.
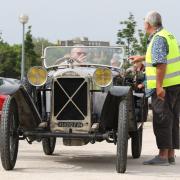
x=37, y=76
x=102, y=77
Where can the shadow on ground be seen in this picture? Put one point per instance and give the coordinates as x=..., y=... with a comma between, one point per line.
x=88, y=161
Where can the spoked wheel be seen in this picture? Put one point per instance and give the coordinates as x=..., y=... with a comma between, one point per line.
x=49, y=145
x=136, y=143
x=122, y=137
x=9, y=138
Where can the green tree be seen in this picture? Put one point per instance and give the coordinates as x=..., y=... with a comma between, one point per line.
x=9, y=59
x=127, y=36
x=30, y=54
x=142, y=42
x=17, y=49
x=10, y=55
x=39, y=45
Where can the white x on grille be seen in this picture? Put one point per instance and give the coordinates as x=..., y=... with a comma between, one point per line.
x=70, y=98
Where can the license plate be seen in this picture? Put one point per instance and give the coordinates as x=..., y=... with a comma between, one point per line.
x=70, y=124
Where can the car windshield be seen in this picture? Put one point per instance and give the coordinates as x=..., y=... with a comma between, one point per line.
x=110, y=56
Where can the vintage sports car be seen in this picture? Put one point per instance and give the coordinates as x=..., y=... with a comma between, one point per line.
x=77, y=95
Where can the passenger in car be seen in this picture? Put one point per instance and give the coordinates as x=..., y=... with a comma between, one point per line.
x=116, y=60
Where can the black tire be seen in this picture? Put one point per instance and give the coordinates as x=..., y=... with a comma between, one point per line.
x=122, y=137
x=49, y=145
x=136, y=143
x=9, y=138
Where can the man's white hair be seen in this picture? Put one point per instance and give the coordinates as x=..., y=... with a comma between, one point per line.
x=154, y=19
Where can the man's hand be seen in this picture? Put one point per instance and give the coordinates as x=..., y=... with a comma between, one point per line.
x=81, y=58
x=136, y=59
x=160, y=93
x=139, y=66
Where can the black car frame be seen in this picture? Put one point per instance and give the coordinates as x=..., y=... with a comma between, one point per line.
x=77, y=96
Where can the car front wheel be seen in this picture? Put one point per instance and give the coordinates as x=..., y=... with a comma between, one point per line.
x=9, y=138
x=122, y=137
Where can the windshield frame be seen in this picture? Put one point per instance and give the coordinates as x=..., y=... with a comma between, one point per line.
x=83, y=64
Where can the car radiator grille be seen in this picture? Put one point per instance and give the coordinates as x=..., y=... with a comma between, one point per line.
x=70, y=98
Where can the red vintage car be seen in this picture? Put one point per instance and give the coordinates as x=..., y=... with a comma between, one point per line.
x=2, y=99
x=6, y=82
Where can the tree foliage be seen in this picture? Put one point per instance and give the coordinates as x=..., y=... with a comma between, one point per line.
x=9, y=60
x=10, y=55
x=39, y=45
x=30, y=54
x=127, y=36
x=142, y=45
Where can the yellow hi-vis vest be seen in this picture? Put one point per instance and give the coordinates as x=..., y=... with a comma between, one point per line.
x=172, y=75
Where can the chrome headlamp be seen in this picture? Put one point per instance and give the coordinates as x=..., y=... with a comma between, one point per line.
x=37, y=76
x=102, y=77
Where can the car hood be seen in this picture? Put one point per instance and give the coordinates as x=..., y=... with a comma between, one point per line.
x=76, y=71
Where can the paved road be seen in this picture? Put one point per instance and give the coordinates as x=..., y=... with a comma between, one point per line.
x=90, y=162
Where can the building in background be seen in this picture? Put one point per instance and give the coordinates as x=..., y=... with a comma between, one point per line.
x=82, y=40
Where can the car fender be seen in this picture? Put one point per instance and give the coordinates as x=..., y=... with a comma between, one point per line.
x=110, y=110
x=119, y=90
x=9, y=90
x=29, y=117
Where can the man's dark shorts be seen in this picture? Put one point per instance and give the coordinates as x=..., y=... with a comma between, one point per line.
x=166, y=118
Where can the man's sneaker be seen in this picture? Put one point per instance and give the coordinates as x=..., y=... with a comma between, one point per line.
x=172, y=160
x=157, y=161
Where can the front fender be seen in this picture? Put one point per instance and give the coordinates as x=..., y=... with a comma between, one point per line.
x=28, y=114
x=119, y=90
x=9, y=90
x=110, y=110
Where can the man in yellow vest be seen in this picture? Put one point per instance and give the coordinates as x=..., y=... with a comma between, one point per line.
x=163, y=76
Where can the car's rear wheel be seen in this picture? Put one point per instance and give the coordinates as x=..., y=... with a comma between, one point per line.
x=122, y=137
x=136, y=143
x=9, y=138
x=49, y=145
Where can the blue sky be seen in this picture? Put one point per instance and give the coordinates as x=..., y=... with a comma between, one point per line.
x=96, y=19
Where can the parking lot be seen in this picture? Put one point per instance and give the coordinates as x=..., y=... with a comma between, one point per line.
x=90, y=162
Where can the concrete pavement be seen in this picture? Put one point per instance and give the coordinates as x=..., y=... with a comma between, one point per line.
x=90, y=162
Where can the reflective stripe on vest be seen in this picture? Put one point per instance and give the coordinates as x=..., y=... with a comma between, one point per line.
x=170, y=61
x=172, y=76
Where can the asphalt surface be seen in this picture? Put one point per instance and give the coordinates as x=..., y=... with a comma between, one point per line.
x=90, y=162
